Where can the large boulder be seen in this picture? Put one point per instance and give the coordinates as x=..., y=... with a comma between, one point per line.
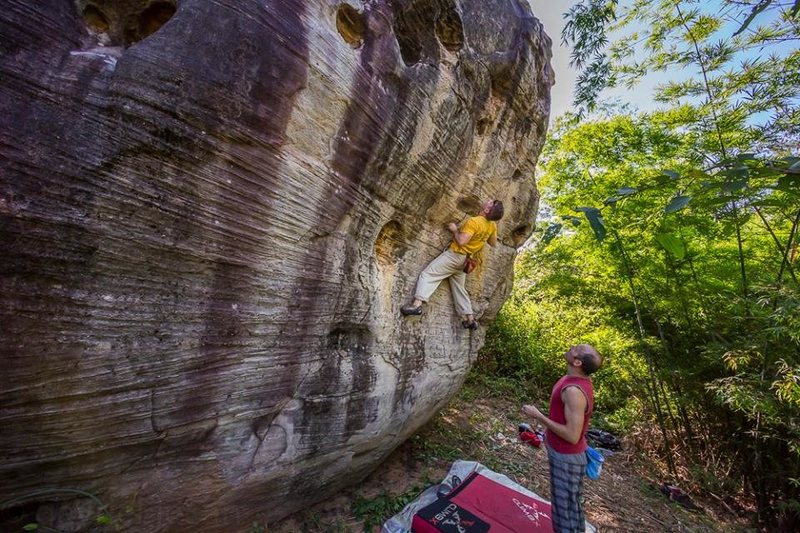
x=210, y=215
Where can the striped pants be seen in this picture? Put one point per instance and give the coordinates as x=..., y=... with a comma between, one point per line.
x=448, y=266
x=566, y=485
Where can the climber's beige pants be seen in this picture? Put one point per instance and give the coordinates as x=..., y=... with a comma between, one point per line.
x=449, y=265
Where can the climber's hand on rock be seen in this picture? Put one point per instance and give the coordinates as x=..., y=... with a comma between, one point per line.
x=452, y=227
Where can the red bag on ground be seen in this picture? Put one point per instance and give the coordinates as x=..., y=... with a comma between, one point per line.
x=480, y=505
x=531, y=438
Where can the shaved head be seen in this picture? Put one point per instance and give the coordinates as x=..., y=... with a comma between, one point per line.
x=590, y=358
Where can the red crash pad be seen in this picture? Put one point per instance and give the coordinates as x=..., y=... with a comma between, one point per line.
x=480, y=505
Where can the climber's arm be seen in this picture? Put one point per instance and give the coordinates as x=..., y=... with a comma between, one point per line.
x=460, y=237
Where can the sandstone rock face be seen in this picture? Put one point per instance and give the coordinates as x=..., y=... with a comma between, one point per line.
x=210, y=215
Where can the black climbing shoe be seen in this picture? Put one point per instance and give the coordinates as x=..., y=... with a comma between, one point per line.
x=469, y=324
x=410, y=310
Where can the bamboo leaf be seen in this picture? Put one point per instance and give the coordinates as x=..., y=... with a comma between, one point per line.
x=551, y=233
x=595, y=221
x=672, y=244
x=671, y=173
x=677, y=203
x=756, y=10
x=626, y=191
x=738, y=172
x=789, y=181
x=714, y=201
x=769, y=202
x=698, y=174
x=732, y=186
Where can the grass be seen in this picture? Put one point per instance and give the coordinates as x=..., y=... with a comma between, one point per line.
x=375, y=511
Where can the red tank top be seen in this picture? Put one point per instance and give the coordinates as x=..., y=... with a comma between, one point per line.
x=557, y=413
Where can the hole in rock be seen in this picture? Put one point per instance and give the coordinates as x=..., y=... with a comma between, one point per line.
x=16, y=516
x=505, y=78
x=156, y=15
x=520, y=235
x=125, y=22
x=389, y=246
x=350, y=337
x=410, y=48
x=350, y=24
x=483, y=125
x=517, y=175
x=449, y=29
x=95, y=19
x=414, y=28
x=469, y=204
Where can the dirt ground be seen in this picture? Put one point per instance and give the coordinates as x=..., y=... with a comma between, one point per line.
x=482, y=428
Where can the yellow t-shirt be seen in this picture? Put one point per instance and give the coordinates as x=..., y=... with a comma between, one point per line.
x=481, y=230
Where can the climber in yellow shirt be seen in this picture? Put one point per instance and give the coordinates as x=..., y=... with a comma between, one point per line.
x=468, y=241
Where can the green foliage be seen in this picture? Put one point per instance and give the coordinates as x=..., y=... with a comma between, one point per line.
x=684, y=278
x=689, y=258
x=585, y=29
x=375, y=511
x=735, y=64
x=256, y=527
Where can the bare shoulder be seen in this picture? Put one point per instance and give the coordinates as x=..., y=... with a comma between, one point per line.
x=573, y=396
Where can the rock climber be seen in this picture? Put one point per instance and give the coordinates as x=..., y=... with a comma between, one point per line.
x=468, y=242
x=571, y=404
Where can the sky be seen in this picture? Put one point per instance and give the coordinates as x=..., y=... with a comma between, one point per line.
x=550, y=13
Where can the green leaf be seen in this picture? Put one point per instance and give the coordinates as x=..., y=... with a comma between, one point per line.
x=672, y=244
x=746, y=157
x=575, y=221
x=788, y=181
x=732, y=186
x=759, y=172
x=595, y=221
x=551, y=232
x=758, y=8
x=698, y=174
x=612, y=201
x=671, y=173
x=769, y=202
x=626, y=191
x=738, y=172
x=677, y=203
x=103, y=519
x=30, y=527
x=715, y=201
